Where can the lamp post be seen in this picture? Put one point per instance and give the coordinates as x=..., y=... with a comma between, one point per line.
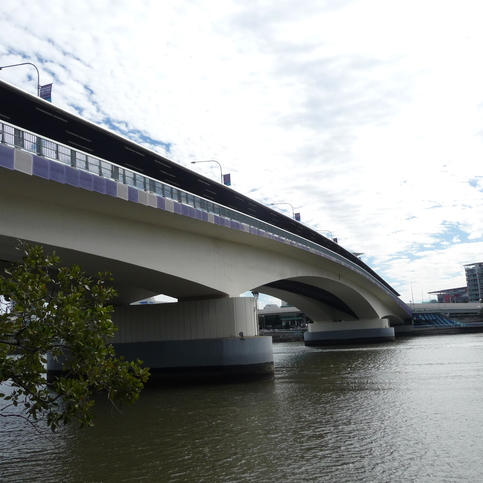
x=26, y=63
x=212, y=161
x=284, y=203
x=331, y=236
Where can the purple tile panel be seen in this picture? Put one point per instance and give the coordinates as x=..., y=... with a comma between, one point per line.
x=72, y=176
x=177, y=208
x=41, y=167
x=205, y=216
x=191, y=212
x=111, y=187
x=199, y=215
x=86, y=180
x=185, y=210
x=6, y=157
x=99, y=185
x=57, y=172
x=161, y=203
x=133, y=194
x=217, y=220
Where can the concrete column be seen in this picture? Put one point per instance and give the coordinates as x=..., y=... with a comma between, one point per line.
x=201, y=339
x=363, y=331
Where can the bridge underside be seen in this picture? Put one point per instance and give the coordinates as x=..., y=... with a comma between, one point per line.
x=340, y=314
x=132, y=283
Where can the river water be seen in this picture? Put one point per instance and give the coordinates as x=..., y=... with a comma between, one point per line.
x=406, y=411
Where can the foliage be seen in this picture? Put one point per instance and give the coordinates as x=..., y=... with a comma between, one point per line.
x=48, y=309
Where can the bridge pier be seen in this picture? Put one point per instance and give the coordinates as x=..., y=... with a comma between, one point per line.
x=214, y=339
x=363, y=331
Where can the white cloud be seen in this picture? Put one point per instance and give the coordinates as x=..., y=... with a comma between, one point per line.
x=365, y=115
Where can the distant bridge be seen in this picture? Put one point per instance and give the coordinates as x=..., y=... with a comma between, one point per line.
x=107, y=203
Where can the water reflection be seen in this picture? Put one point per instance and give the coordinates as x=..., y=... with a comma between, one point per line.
x=403, y=411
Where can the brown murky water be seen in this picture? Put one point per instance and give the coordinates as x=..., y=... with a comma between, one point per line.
x=409, y=411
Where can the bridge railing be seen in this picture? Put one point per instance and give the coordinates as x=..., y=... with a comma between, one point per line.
x=47, y=148
x=41, y=146
x=32, y=143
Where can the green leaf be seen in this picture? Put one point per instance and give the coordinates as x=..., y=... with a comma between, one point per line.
x=62, y=311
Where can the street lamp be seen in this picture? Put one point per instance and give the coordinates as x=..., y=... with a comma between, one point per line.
x=26, y=63
x=331, y=236
x=212, y=161
x=284, y=203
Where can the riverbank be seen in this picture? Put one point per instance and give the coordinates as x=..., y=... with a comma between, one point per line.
x=298, y=336
x=420, y=331
x=285, y=335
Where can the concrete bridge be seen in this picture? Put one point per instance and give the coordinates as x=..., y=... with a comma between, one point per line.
x=107, y=203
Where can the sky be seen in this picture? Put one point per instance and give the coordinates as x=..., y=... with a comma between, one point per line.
x=365, y=115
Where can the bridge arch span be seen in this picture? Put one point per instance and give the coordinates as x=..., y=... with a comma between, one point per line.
x=322, y=299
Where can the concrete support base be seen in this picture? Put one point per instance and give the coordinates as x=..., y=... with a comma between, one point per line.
x=349, y=332
x=214, y=360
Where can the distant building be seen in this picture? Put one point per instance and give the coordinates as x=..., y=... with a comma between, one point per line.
x=474, y=281
x=285, y=317
x=452, y=295
x=463, y=312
